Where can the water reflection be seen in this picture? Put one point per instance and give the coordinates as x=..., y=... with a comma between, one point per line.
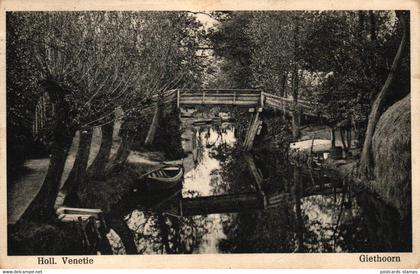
x=205, y=179
x=304, y=212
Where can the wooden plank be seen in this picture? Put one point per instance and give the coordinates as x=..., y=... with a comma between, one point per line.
x=256, y=101
x=221, y=204
x=66, y=218
x=254, y=171
x=256, y=98
x=195, y=94
x=178, y=98
x=221, y=97
x=76, y=210
x=222, y=94
x=274, y=104
x=221, y=91
x=262, y=99
x=153, y=127
x=276, y=101
x=218, y=102
x=252, y=131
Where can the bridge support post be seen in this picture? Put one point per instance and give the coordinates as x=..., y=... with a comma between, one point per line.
x=262, y=99
x=252, y=131
x=178, y=98
x=296, y=122
x=256, y=173
x=153, y=126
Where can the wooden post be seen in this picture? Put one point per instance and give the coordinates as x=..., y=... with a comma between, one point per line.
x=262, y=99
x=253, y=168
x=258, y=179
x=332, y=132
x=153, y=127
x=295, y=122
x=36, y=120
x=178, y=97
x=298, y=190
x=252, y=131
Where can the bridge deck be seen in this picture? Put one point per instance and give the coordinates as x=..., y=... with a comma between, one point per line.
x=219, y=97
x=237, y=97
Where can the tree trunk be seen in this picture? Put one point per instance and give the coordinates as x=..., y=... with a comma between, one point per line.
x=343, y=140
x=99, y=163
x=164, y=233
x=332, y=131
x=295, y=125
x=124, y=149
x=379, y=105
x=127, y=133
x=154, y=125
x=295, y=113
x=125, y=234
x=372, y=24
x=295, y=85
x=42, y=207
x=298, y=191
x=361, y=23
x=349, y=138
x=77, y=174
x=104, y=246
x=283, y=92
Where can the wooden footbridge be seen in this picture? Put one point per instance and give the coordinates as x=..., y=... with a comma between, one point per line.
x=255, y=100
x=236, y=97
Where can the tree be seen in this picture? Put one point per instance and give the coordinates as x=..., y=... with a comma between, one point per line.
x=172, y=64
x=380, y=103
x=22, y=91
x=85, y=76
x=349, y=56
x=277, y=59
x=91, y=63
x=230, y=41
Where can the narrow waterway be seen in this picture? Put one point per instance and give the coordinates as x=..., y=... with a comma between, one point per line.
x=321, y=213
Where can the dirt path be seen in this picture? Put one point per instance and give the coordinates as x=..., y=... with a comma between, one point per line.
x=24, y=189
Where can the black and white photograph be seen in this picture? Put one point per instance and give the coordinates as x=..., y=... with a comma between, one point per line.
x=148, y=132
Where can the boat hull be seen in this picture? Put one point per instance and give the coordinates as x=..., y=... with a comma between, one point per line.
x=164, y=178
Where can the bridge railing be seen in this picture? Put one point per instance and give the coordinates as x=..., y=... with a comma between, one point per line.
x=168, y=96
x=219, y=97
x=235, y=97
x=287, y=104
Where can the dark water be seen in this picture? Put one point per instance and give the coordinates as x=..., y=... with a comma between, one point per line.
x=322, y=214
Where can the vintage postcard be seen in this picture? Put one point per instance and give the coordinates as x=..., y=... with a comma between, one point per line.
x=209, y=134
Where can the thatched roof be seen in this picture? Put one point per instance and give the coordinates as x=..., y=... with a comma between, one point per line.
x=391, y=146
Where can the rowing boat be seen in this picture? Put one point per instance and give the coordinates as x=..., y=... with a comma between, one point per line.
x=71, y=214
x=164, y=177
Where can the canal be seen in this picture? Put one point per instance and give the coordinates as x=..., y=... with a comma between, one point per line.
x=336, y=219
